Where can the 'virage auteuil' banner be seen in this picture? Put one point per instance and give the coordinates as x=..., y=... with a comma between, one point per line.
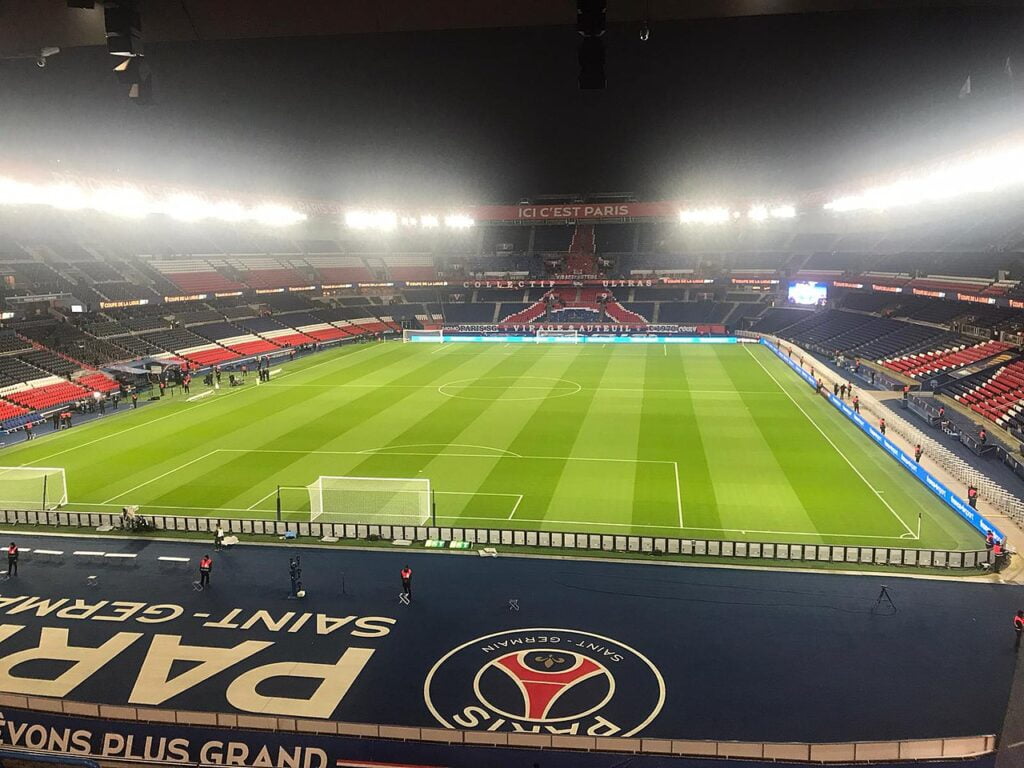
x=979, y=522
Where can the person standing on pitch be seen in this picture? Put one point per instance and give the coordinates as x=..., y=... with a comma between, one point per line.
x=407, y=581
x=12, y=560
x=1018, y=627
x=205, y=566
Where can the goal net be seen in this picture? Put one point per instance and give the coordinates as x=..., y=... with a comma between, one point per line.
x=33, y=488
x=375, y=500
x=568, y=336
x=435, y=336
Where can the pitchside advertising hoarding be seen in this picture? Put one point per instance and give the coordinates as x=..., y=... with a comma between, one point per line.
x=954, y=502
x=581, y=339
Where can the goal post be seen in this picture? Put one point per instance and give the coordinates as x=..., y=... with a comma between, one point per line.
x=563, y=336
x=373, y=500
x=33, y=488
x=433, y=336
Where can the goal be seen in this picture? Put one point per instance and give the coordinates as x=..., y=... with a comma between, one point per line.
x=33, y=488
x=435, y=336
x=567, y=336
x=375, y=500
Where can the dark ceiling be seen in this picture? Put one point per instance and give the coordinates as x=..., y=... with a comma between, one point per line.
x=28, y=25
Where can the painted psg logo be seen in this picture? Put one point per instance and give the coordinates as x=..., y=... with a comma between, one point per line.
x=560, y=681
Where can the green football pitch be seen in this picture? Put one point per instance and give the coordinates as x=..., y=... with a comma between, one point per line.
x=714, y=441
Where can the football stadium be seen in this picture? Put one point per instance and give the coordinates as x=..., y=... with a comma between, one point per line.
x=336, y=433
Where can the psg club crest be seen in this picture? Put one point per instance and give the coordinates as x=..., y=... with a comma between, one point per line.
x=559, y=681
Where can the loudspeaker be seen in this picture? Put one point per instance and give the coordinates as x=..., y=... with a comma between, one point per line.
x=591, y=58
x=590, y=17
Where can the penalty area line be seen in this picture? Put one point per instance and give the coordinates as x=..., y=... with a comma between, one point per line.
x=158, y=477
x=260, y=501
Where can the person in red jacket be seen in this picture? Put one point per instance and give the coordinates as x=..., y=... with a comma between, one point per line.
x=205, y=567
x=407, y=581
x=881, y=426
x=1018, y=627
x=12, y=560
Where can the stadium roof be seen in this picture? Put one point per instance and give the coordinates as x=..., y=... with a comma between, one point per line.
x=28, y=25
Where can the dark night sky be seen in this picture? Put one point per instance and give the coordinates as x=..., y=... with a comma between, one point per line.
x=718, y=108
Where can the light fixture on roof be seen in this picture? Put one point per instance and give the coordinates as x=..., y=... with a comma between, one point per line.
x=126, y=202
x=383, y=221
x=458, y=221
x=715, y=215
x=185, y=207
x=980, y=173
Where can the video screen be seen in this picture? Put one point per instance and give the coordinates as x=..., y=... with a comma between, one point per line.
x=808, y=294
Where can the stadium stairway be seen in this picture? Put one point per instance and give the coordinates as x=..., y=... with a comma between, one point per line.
x=582, y=257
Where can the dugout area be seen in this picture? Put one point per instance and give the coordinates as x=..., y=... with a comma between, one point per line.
x=656, y=652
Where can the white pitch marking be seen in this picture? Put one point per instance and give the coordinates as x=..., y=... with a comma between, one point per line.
x=514, y=508
x=493, y=386
x=836, y=447
x=457, y=455
x=154, y=479
x=257, y=503
x=679, y=493
x=447, y=445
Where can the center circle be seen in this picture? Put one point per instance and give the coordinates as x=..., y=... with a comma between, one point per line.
x=509, y=388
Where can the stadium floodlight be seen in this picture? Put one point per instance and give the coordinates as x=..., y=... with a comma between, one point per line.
x=185, y=207
x=126, y=202
x=228, y=210
x=429, y=221
x=66, y=197
x=980, y=173
x=458, y=221
x=275, y=215
x=384, y=221
x=130, y=202
x=13, y=192
x=762, y=212
x=705, y=216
